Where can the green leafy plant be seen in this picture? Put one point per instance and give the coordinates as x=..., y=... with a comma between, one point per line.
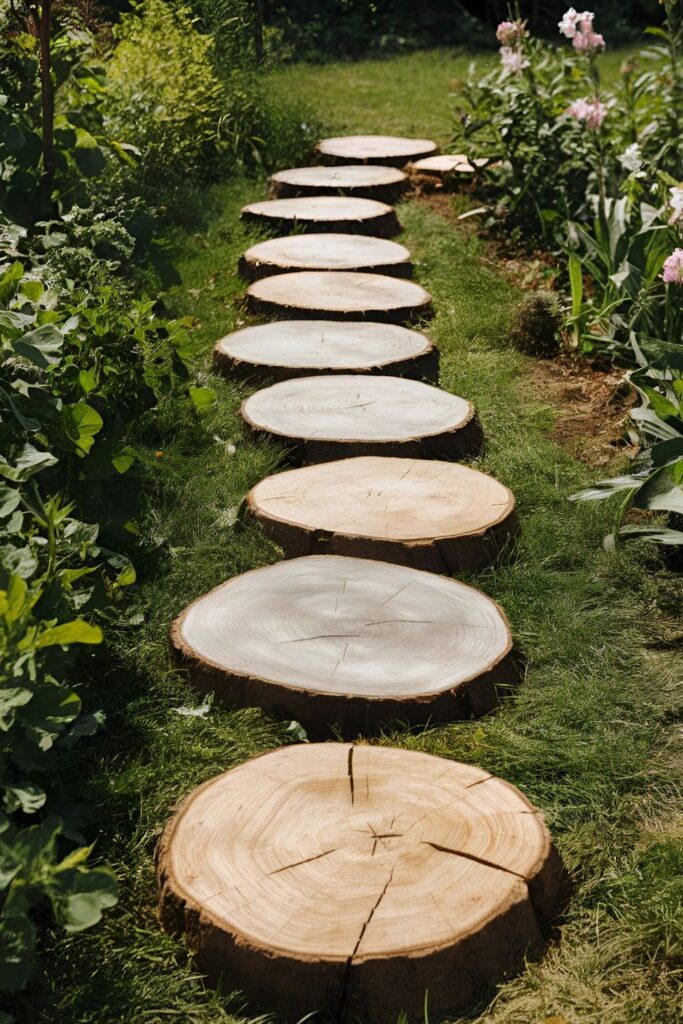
x=656, y=485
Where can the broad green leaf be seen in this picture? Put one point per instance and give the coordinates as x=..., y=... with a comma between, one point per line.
x=124, y=459
x=29, y=462
x=125, y=578
x=81, y=423
x=90, y=160
x=33, y=290
x=76, y=632
x=79, y=896
x=42, y=346
x=661, y=492
x=9, y=500
x=9, y=282
x=202, y=398
x=87, y=380
x=15, y=598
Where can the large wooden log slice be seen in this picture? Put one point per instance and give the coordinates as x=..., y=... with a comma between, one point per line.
x=391, y=150
x=326, y=213
x=339, y=295
x=365, y=181
x=439, y=516
x=347, y=643
x=325, y=252
x=443, y=165
x=300, y=348
x=352, y=879
x=324, y=418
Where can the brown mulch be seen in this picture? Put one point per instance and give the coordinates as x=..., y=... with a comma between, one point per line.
x=592, y=406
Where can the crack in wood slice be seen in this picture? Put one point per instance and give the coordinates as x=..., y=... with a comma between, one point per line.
x=339, y=295
x=439, y=516
x=366, y=181
x=349, y=879
x=301, y=348
x=347, y=645
x=361, y=254
x=390, y=150
x=325, y=418
x=326, y=213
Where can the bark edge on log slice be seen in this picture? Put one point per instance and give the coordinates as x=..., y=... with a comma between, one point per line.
x=268, y=352
x=342, y=214
x=320, y=419
x=444, y=663
x=365, y=181
x=391, y=150
x=325, y=252
x=339, y=295
x=318, y=891
x=342, y=508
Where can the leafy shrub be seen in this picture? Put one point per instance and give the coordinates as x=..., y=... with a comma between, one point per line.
x=536, y=325
x=163, y=97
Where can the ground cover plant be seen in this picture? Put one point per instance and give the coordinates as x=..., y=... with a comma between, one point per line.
x=590, y=734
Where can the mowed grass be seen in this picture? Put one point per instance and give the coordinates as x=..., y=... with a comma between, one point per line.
x=589, y=736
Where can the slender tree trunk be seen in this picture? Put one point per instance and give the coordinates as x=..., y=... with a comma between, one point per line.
x=258, y=30
x=42, y=17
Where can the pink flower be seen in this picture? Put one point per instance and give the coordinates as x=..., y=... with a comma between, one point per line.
x=673, y=268
x=586, y=42
x=506, y=32
x=513, y=61
x=593, y=112
x=567, y=26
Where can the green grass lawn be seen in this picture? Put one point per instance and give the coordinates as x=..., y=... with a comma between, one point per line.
x=589, y=734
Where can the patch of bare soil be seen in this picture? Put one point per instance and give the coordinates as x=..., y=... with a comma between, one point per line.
x=592, y=405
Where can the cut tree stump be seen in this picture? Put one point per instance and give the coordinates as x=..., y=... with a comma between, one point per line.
x=439, y=516
x=325, y=418
x=390, y=150
x=364, y=181
x=324, y=214
x=325, y=252
x=348, y=645
x=444, y=165
x=352, y=879
x=301, y=348
x=339, y=295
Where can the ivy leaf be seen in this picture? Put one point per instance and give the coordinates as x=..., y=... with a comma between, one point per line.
x=9, y=282
x=76, y=632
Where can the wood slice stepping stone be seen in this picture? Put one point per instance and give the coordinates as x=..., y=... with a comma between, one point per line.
x=352, y=879
x=339, y=295
x=366, y=181
x=391, y=150
x=348, y=643
x=439, y=516
x=323, y=418
x=300, y=348
x=326, y=252
x=446, y=164
x=326, y=213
